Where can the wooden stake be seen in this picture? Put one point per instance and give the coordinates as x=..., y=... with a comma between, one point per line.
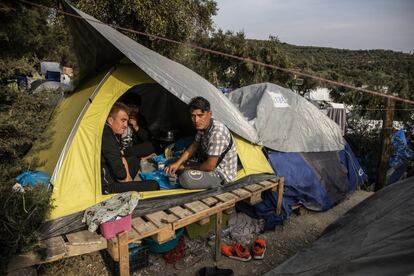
x=219, y=221
x=385, y=144
x=280, y=191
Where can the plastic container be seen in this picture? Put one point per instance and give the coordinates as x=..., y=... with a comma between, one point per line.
x=164, y=247
x=138, y=258
x=111, y=228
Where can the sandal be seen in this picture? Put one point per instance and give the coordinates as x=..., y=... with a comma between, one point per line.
x=236, y=251
x=259, y=249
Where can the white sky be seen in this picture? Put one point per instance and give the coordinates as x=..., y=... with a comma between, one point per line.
x=347, y=24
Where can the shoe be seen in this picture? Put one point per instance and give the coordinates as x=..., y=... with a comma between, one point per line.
x=259, y=249
x=236, y=251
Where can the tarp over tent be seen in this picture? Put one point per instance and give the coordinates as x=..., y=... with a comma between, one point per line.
x=176, y=78
x=305, y=146
x=285, y=121
x=376, y=237
x=70, y=148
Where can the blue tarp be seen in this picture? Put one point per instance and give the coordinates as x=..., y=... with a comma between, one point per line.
x=356, y=175
x=307, y=184
x=302, y=184
x=400, y=150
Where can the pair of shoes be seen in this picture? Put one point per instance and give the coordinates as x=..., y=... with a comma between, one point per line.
x=239, y=252
x=236, y=251
x=259, y=249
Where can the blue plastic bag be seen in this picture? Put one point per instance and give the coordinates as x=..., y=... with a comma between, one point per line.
x=161, y=177
x=159, y=158
x=33, y=179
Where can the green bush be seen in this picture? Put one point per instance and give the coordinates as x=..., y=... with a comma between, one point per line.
x=21, y=215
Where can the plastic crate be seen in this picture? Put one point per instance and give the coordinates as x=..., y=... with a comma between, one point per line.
x=138, y=258
x=109, y=229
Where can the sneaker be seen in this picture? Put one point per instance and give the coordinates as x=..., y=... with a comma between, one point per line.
x=236, y=251
x=259, y=249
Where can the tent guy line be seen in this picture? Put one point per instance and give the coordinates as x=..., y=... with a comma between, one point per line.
x=190, y=45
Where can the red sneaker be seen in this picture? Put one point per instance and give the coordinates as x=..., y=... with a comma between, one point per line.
x=259, y=249
x=236, y=251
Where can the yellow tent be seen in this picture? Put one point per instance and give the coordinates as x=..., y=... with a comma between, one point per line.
x=70, y=149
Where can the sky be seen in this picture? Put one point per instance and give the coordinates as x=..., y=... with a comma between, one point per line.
x=344, y=24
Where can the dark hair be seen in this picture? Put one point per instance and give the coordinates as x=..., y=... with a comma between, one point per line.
x=133, y=110
x=199, y=103
x=118, y=106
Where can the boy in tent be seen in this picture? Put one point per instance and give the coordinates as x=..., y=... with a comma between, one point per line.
x=135, y=140
x=118, y=170
x=214, y=145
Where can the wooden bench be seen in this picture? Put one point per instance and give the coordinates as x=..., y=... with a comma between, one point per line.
x=160, y=225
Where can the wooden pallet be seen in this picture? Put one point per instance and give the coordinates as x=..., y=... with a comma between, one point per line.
x=59, y=247
x=160, y=225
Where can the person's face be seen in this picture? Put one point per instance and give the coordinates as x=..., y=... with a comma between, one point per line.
x=119, y=122
x=201, y=119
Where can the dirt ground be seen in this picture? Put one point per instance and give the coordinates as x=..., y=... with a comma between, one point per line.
x=297, y=233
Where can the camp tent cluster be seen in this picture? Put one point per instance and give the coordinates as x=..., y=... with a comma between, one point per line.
x=113, y=67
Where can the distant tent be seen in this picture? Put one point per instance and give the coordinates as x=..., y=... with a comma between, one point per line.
x=305, y=146
x=70, y=148
x=376, y=237
x=286, y=121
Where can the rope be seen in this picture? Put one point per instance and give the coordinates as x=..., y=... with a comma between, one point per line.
x=190, y=45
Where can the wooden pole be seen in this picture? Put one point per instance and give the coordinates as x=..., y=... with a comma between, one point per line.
x=385, y=144
x=219, y=221
x=123, y=254
x=280, y=191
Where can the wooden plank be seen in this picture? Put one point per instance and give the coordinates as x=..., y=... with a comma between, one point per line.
x=142, y=226
x=133, y=234
x=196, y=206
x=254, y=198
x=85, y=238
x=24, y=260
x=204, y=221
x=180, y=212
x=242, y=193
x=123, y=254
x=52, y=249
x=274, y=180
x=209, y=201
x=253, y=187
x=76, y=250
x=202, y=214
x=55, y=247
x=268, y=184
x=160, y=218
x=227, y=197
x=165, y=234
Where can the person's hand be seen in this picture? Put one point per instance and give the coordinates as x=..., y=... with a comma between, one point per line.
x=173, y=168
x=134, y=123
x=128, y=177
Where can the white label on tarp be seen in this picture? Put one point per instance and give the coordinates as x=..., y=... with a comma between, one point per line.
x=278, y=99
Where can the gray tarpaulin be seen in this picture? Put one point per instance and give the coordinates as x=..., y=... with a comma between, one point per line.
x=285, y=121
x=106, y=44
x=376, y=237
